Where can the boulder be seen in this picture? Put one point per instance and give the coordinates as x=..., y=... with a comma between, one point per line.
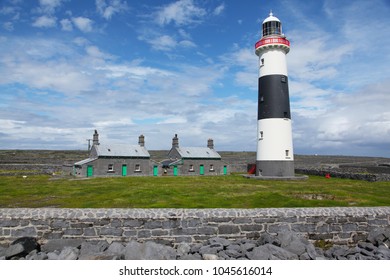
x=21, y=247
x=69, y=253
x=149, y=251
x=270, y=252
x=60, y=244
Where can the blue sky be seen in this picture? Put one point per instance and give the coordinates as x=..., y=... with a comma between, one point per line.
x=188, y=67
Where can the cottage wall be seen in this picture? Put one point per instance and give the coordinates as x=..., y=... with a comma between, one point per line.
x=113, y=167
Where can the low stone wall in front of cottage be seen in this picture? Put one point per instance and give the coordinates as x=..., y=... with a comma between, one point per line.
x=173, y=226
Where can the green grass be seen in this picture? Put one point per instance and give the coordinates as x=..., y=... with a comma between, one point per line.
x=231, y=191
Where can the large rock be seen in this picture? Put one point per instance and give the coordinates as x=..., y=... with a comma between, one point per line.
x=69, y=253
x=21, y=247
x=60, y=244
x=149, y=251
x=270, y=252
x=379, y=236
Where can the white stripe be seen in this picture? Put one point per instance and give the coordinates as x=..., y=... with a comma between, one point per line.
x=274, y=141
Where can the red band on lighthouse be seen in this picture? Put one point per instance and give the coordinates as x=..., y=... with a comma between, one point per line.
x=272, y=41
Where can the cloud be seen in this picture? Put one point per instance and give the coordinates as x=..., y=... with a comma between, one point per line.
x=9, y=26
x=182, y=12
x=45, y=22
x=66, y=24
x=218, y=10
x=49, y=6
x=83, y=23
x=107, y=10
x=355, y=123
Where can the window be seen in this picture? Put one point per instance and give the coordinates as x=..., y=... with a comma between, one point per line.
x=137, y=168
x=283, y=79
x=110, y=168
x=287, y=153
x=191, y=168
x=212, y=168
x=262, y=62
x=261, y=135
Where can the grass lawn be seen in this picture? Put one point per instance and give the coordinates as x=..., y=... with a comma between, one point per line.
x=231, y=191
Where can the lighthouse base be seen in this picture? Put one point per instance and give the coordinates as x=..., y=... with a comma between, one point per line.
x=275, y=168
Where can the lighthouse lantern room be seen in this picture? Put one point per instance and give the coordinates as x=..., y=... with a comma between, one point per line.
x=275, y=156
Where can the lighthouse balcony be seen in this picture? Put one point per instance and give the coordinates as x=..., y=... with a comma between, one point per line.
x=272, y=42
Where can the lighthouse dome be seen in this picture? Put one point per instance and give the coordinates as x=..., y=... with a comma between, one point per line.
x=272, y=26
x=271, y=17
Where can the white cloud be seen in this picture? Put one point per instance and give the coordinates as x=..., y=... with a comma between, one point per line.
x=187, y=44
x=49, y=6
x=66, y=25
x=107, y=10
x=182, y=12
x=9, y=26
x=83, y=23
x=45, y=22
x=218, y=10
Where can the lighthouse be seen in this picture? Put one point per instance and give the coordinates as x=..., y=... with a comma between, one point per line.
x=274, y=156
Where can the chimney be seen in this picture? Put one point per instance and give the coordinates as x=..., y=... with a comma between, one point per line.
x=95, y=140
x=210, y=144
x=141, y=140
x=175, y=142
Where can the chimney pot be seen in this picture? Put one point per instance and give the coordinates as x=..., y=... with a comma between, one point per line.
x=210, y=143
x=175, y=142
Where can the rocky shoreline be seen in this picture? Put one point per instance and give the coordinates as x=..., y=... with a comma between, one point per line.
x=286, y=245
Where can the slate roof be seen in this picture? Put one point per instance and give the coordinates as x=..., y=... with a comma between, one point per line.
x=84, y=161
x=121, y=150
x=198, y=152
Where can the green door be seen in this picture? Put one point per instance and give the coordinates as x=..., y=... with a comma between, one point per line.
x=89, y=171
x=201, y=169
x=124, y=170
x=224, y=170
x=175, y=170
x=155, y=170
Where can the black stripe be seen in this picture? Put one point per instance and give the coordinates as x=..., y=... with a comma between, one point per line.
x=274, y=99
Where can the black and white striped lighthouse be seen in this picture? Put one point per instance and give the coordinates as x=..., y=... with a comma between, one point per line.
x=275, y=156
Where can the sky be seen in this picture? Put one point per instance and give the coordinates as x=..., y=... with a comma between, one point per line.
x=188, y=67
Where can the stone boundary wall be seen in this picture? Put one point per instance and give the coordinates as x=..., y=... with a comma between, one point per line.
x=345, y=174
x=172, y=226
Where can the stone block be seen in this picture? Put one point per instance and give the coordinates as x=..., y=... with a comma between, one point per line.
x=132, y=223
x=242, y=221
x=252, y=227
x=191, y=223
x=184, y=231
x=9, y=223
x=348, y=227
x=59, y=224
x=111, y=231
x=278, y=228
x=171, y=223
x=130, y=233
x=228, y=229
x=144, y=234
x=89, y=232
x=116, y=223
x=303, y=227
x=378, y=222
x=73, y=231
x=27, y=231
x=153, y=224
x=81, y=225
x=207, y=230
x=159, y=232
x=218, y=220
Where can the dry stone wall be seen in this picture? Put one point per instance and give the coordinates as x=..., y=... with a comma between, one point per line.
x=174, y=226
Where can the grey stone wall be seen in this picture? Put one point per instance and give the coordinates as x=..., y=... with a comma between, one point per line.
x=173, y=226
x=345, y=173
